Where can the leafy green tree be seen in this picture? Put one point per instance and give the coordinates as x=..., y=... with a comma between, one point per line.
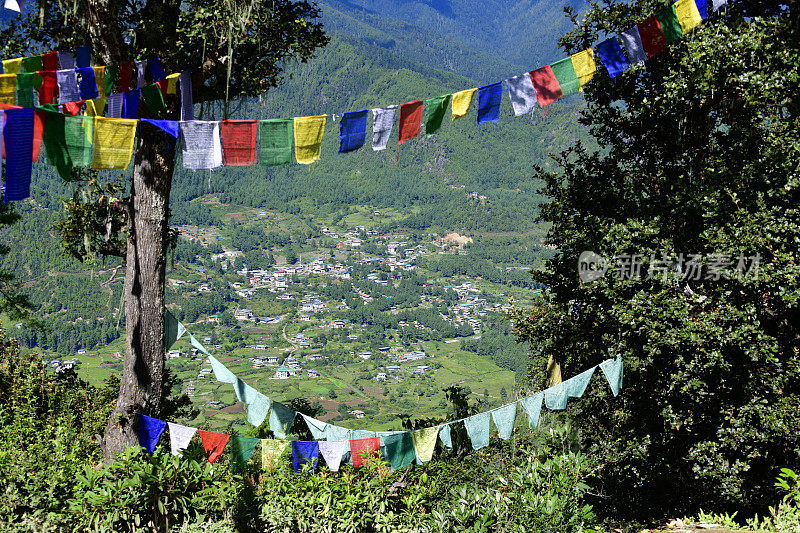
x=234, y=49
x=697, y=155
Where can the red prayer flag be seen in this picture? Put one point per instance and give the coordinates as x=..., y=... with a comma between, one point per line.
x=162, y=85
x=50, y=61
x=213, y=443
x=125, y=76
x=238, y=142
x=359, y=448
x=548, y=90
x=73, y=108
x=49, y=86
x=410, y=120
x=653, y=39
x=38, y=129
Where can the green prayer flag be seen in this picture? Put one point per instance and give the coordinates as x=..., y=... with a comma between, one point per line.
x=281, y=419
x=112, y=73
x=221, y=371
x=363, y=434
x=445, y=437
x=612, y=369
x=337, y=433
x=670, y=25
x=32, y=64
x=478, y=429
x=67, y=141
x=436, y=109
x=564, y=72
x=398, y=449
x=533, y=406
x=173, y=330
x=317, y=427
x=504, y=418
x=153, y=97
x=425, y=443
x=241, y=450
x=26, y=81
x=556, y=397
x=275, y=137
x=196, y=344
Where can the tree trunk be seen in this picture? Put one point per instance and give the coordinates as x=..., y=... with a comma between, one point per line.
x=141, y=388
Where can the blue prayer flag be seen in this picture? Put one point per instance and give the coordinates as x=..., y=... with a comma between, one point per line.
x=131, y=104
x=156, y=70
x=84, y=56
x=612, y=56
x=702, y=7
x=304, y=451
x=88, y=83
x=18, y=139
x=352, y=131
x=150, y=430
x=169, y=126
x=489, y=97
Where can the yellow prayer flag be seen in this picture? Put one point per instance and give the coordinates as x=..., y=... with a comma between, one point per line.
x=425, y=442
x=461, y=102
x=584, y=65
x=271, y=450
x=172, y=83
x=308, y=138
x=113, y=142
x=100, y=78
x=688, y=15
x=95, y=107
x=12, y=66
x=8, y=89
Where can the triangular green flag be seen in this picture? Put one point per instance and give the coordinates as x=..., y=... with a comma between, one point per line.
x=281, y=419
x=200, y=347
x=533, y=406
x=241, y=450
x=612, y=369
x=173, y=330
x=221, y=371
x=436, y=109
x=504, y=418
x=478, y=429
x=425, y=443
x=398, y=449
x=317, y=427
x=445, y=437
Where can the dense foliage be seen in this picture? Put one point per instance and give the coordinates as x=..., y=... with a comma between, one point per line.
x=699, y=155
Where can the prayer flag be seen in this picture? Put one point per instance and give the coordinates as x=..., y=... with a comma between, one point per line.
x=276, y=141
x=172, y=83
x=238, y=142
x=653, y=38
x=130, y=104
x=12, y=66
x=410, y=120
x=317, y=427
x=201, y=145
x=187, y=104
x=111, y=76
x=49, y=88
x=478, y=429
x=172, y=127
x=564, y=72
x=241, y=450
x=83, y=56
x=305, y=451
x=338, y=433
x=150, y=430
x=361, y=449
x=66, y=60
x=398, y=449
x=352, y=131
x=363, y=434
x=141, y=67
x=271, y=450
x=221, y=372
x=556, y=397
x=14, y=5
x=445, y=437
x=18, y=144
x=670, y=25
x=8, y=89
x=95, y=107
x=116, y=103
x=613, y=58
x=634, y=47
x=308, y=133
x=424, y=443
x=173, y=330
x=125, y=76
x=68, y=90
x=88, y=83
x=156, y=70
x=504, y=418
x=436, y=109
x=332, y=452
x=382, y=123
x=702, y=8
x=612, y=369
x=153, y=98
x=258, y=407
x=533, y=406
x=100, y=80
x=521, y=93
x=281, y=419
x=461, y=102
x=25, y=84
x=213, y=443
x=68, y=141
x=584, y=65
x=50, y=61
x=179, y=437
x=546, y=84
x=489, y=99
x=688, y=15
x=716, y=5
x=32, y=64
x=113, y=142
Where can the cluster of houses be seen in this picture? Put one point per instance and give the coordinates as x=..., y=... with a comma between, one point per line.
x=418, y=371
x=64, y=366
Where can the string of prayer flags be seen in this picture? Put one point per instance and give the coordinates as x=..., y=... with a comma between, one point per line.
x=424, y=443
x=362, y=449
x=308, y=132
x=238, y=142
x=332, y=452
x=113, y=142
x=275, y=141
x=271, y=451
x=612, y=369
x=179, y=437
x=352, y=131
x=584, y=65
x=521, y=93
x=567, y=78
x=153, y=98
x=410, y=121
x=213, y=443
x=670, y=25
x=533, y=406
x=504, y=418
x=130, y=105
x=653, y=38
x=634, y=47
x=436, y=109
x=242, y=449
x=305, y=451
x=398, y=449
x=18, y=133
x=556, y=397
x=382, y=123
x=489, y=98
x=612, y=56
x=88, y=83
x=202, y=148
x=187, y=103
x=150, y=430
x=461, y=102
x=688, y=14
x=281, y=419
x=547, y=88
